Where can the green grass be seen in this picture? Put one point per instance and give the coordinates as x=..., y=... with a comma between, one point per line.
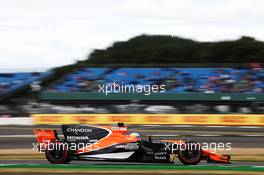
x=125, y=167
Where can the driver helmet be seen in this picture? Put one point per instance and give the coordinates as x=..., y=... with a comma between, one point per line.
x=134, y=134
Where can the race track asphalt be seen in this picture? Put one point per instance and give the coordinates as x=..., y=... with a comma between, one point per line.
x=85, y=167
x=125, y=163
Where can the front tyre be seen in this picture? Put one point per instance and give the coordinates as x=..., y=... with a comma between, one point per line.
x=57, y=153
x=190, y=153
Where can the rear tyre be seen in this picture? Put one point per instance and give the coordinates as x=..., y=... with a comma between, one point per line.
x=57, y=153
x=190, y=154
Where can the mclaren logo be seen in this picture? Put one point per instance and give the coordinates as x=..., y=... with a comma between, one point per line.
x=77, y=138
x=81, y=130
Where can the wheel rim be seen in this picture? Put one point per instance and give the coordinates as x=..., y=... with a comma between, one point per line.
x=191, y=154
x=57, y=153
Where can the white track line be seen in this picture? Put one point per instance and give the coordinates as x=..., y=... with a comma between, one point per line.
x=207, y=135
x=150, y=125
x=215, y=126
x=253, y=135
x=182, y=126
x=253, y=127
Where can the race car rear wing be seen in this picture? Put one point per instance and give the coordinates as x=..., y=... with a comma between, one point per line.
x=46, y=136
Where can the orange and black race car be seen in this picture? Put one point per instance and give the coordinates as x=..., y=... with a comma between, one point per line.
x=113, y=143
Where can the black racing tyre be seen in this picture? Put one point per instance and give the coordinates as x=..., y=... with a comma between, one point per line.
x=190, y=154
x=57, y=153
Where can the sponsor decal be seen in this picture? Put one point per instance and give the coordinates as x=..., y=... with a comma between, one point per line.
x=234, y=119
x=195, y=119
x=94, y=140
x=160, y=157
x=85, y=119
x=214, y=119
x=262, y=120
x=116, y=128
x=81, y=130
x=160, y=153
x=77, y=138
x=48, y=119
x=128, y=146
x=157, y=119
x=121, y=118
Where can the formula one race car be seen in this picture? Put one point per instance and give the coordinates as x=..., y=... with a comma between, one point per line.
x=113, y=143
